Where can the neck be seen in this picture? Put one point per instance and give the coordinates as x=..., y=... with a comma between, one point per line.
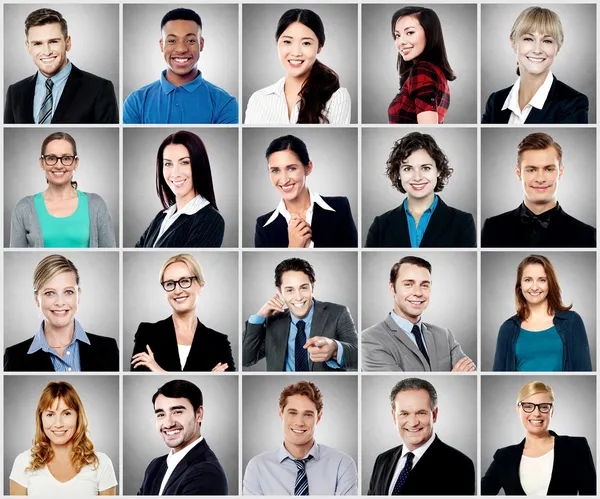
x=530, y=84
x=62, y=452
x=60, y=192
x=181, y=202
x=539, y=310
x=399, y=313
x=417, y=206
x=300, y=203
x=179, y=80
x=293, y=84
x=188, y=443
x=58, y=337
x=186, y=321
x=298, y=451
x=538, y=440
x=539, y=208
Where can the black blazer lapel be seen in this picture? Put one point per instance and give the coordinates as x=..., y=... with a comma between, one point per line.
x=388, y=472
x=399, y=230
x=157, y=478
x=277, y=233
x=27, y=99
x=87, y=358
x=439, y=221
x=68, y=94
x=39, y=361
x=319, y=321
x=169, y=350
x=280, y=332
x=544, y=115
x=197, y=454
x=201, y=347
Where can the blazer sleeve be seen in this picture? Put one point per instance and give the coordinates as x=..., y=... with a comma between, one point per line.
x=211, y=235
x=260, y=236
x=106, y=109
x=205, y=479
x=345, y=333
x=253, y=343
x=502, y=347
x=112, y=355
x=144, y=241
x=577, y=111
x=375, y=478
x=489, y=110
x=456, y=352
x=582, y=360
x=139, y=344
x=490, y=483
x=9, y=117
x=350, y=232
x=586, y=468
x=227, y=354
x=11, y=363
x=375, y=356
x=468, y=234
x=373, y=234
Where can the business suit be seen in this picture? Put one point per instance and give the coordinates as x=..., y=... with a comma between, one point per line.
x=573, y=470
x=563, y=105
x=270, y=339
x=198, y=474
x=102, y=354
x=447, y=228
x=387, y=347
x=86, y=98
x=208, y=347
x=330, y=229
x=442, y=470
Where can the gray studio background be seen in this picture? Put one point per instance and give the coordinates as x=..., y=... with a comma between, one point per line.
x=215, y=305
x=574, y=64
x=140, y=201
x=335, y=169
x=94, y=31
x=576, y=274
x=100, y=397
x=501, y=191
x=453, y=299
x=98, y=310
x=142, y=442
x=263, y=428
x=98, y=170
x=456, y=424
x=336, y=281
x=378, y=195
x=143, y=62
x=262, y=66
x=574, y=412
x=380, y=81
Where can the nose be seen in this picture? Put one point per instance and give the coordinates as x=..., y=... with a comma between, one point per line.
x=417, y=291
x=296, y=48
x=538, y=46
x=181, y=46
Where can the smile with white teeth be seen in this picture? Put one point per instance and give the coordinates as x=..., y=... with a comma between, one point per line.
x=295, y=63
x=298, y=304
x=418, y=187
x=178, y=183
x=536, y=422
x=172, y=432
x=47, y=59
x=59, y=433
x=406, y=50
x=287, y=187
x=181, y=60
x=536, y=59
x=179, y=299
x=60, y=313
x=416, y=303
x=413, y=430
x=294, y=430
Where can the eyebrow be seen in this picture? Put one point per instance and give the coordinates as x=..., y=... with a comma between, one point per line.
x=173, y=408
x=303, y=38
x=182, y=36
x=542, y=166
x=419, y=164
x=413, y=280
x=168, y=159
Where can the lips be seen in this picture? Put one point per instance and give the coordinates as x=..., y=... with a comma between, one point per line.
x=536, y=60
x=298, y=431
x=418, y=187
x=172, y=432
x=59, y=313
x=295, y=63
x=180, y=299
x=541, y=188
x=416, y=303
x=287, y=187
x=178, y=183
x=181, y=61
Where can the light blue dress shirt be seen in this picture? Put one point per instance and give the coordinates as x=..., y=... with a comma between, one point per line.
x=415, y=232
x=59, y=80
x=407, y=327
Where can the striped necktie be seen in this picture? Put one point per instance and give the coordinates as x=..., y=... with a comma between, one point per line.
x=417, y=332
x=403, y=476
x=45, y=114
x=300, y=353
x=301, y=486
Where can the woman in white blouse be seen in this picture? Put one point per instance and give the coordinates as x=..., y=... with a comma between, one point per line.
x=310, y=92
x=62, y=461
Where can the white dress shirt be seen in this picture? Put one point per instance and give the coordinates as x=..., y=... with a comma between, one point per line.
x=173, y=459
x=418, y=453
x=535, y=473
x=518, y=116
x=268, y=106
x=184, y=353
x=193, y=206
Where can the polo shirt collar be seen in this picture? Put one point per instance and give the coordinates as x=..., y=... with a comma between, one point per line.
x=282, y=210
x=314, y=451
x=537, y=101
x=190, y=87
x=39, y=340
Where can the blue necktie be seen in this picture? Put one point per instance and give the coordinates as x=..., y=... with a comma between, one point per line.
x=300, y=354
x=403, y=475
x=417, y=332
x=301, y=486
x=45, y=114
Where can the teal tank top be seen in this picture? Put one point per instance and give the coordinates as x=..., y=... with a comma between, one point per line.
x=68, y=232
x=539, y=350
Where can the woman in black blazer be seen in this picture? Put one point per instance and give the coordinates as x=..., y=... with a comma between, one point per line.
x=537, y=96
x=303, y=219
x=418, y=168
x=181, y=342
x=544, y=463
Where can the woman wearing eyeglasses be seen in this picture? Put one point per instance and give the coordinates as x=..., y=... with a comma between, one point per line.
x=544, y=463
x=61, y=216
x=181, y=342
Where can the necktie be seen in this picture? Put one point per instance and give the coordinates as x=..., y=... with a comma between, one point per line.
x=403, y=475
x=300, y=353
x=45, y=114
x=301, y=486
x=417, y=332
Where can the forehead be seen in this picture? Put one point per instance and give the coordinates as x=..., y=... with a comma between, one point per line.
x=175, y=151
x=294, y=278
x=177, y=270
x=58, y=146
x=419, y=157
x=164, y=403
x=61, y=280
x=299, y=30
x=407, y=21
x=300, y=403
x=180, y=27
x=283, y=158
x=58, y=404
x=44, y=32
x=415, y=400
x=534, y=270
x=540, y=157
x=409, y=271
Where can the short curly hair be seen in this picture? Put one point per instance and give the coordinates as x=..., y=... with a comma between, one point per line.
x=407, y=145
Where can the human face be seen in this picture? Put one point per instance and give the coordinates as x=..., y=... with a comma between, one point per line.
x=47, y=46
x=419, y=175
x=540, y=173
x=413, y=417
x=177, y=422
x=297, y=291
x=58, y=299
x=536, y=422
x=535, y=52
x=288, y=174
x=59, y=174
x=299, y=418
x=298, y=47
x=534, y=284
x=182, y=300
x=59, y=423
x=181, y=44
x=411, y=291
x=177, y=172
x=409, y=37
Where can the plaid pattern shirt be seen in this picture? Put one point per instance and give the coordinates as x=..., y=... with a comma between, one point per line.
x=425, y=89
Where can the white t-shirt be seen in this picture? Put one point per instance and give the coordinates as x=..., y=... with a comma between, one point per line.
x=88, y=482
x=535, y=473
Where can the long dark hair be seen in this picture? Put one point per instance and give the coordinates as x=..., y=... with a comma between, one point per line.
x=291, y=142
x=201, y=176
x=322, y=81
x=435, y=50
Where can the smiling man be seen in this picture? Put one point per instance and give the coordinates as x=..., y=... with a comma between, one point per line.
x=59, y=92
x=310, y=335
x=539, y=222
x=181, y=95
x=301, y=466
x=403, y=342
x=424, y=465
x=191, y=468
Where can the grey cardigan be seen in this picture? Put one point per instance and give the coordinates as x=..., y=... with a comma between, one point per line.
x=25, y=230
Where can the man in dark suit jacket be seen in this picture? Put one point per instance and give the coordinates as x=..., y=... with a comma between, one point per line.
x=540, y=221
x=191, y=468
x=59, y=92
x=424, y=465
x=310, y=336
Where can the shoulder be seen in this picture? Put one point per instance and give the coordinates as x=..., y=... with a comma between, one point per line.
x=340, y=95
x=337, y=202
x=503, y=218
x=89, y=78
x=216, y=92
x=332, y=454
x=262, y=220
x=23, y=459
x=207, y=213
x=141, y=93
x=509, y=325
x=103, y=460
x=437, y=329
x=214, y=335
x=579, y=443
x=25, y=204
x=263, y=458
x=460, y=215
x=95, y=201
x=566, y=92
x=263, y=92
x=451, y=453
x=425, y=70
x=509, y=452
x=499, y=95
x=21, y=84
x=577, y=224
x=375, y=331
x=569, y=316
x=98, y=340
x=335, y=308
x=391, y=216
x=389, y=454
x=20, y=348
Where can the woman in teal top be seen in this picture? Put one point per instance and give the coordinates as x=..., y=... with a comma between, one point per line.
x=61, y=216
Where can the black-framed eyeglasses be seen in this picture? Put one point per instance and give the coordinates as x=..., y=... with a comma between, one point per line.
x=51, y=159
x=184, y=283
x=544, y=407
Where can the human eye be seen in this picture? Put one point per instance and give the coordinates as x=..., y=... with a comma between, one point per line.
x=406, y=168
x=191, y=40
x=286, y=42
x=185, y=161
x=48, y=293
x=292, y=168
x=159, y=415
x=274, y=170
x=527, y=39
x=69, y=291
x=425, y=285
x=403, y=414
x=177, y=412
x=185, y=281
x=307, y=43
x=167, y=164
x=410, y=32
x=52, y=157
x=426, y=168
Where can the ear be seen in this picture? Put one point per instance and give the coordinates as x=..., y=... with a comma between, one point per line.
x=68, y=43
x=37, y=300
x=41, y=163
x=201, y=43
x=435, y=414
x=79, y=290
x=561, y=171
x=162, y=47
x=518, y=172
x=394, y=417
x=391, y=288
x=513, y=45
x=308, y=168
x=201, y=288
x=280, y=412
x=319, y=49
x=199, y=414
x=76, y=163
x=319, y=416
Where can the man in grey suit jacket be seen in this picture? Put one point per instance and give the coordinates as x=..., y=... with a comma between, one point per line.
x=403, y=342
x=309, y=336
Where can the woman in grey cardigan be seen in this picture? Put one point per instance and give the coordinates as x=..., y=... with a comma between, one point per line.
x=61, y=216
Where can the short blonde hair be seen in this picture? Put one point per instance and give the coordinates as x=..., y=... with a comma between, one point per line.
x=51, y=266
x=532, y=388
x=192, y=264
x=544, y=21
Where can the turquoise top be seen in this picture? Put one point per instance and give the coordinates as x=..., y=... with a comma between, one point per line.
x=67, y=232
x=416, y=232
x=539, y=350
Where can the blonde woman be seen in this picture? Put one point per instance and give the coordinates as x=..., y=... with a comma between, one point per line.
x=62, y=461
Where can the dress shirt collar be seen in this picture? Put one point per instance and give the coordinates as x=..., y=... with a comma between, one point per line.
x=277, y=88
x=420, y=451
x=432, y=206
x=39, y=340
x=190, y=87
x=307, y=320
x=537, y=101
x=174, y=458
x=282, y=210
x=193, y=206
x=59, y=77
x=314, y=451
x=403, y=323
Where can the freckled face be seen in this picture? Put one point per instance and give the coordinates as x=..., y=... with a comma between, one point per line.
x=409, y=37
